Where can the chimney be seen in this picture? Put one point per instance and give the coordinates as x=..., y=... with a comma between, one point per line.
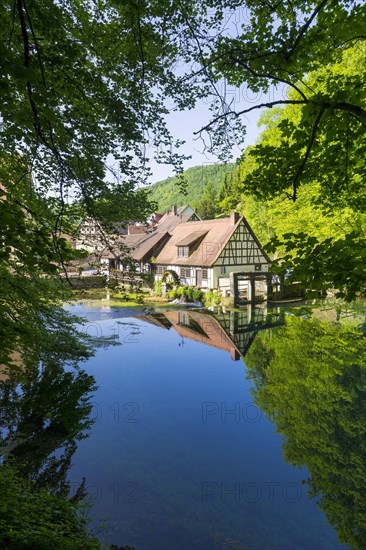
x=234, y=218
x=174, y=209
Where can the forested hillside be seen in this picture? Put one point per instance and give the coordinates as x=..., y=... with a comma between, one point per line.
x=170, y=191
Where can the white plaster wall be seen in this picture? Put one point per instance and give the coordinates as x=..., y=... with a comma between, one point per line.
x=191, y=281
x=250, y=268
x=235, y=269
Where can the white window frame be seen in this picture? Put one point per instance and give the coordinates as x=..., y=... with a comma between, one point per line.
x=183, y=251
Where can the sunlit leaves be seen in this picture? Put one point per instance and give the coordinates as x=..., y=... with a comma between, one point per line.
x=306, y=181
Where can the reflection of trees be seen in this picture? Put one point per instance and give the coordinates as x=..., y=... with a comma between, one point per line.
x=45, y=406
x=310, y=378
x=41, y=415
x=45, y=410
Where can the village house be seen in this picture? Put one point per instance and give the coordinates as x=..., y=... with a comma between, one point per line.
x=207, y=253
x=221, y=254
x=90, y=236
x=233, y=331
x=139, y=248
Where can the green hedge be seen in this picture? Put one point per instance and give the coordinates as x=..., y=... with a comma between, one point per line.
x=187, y=293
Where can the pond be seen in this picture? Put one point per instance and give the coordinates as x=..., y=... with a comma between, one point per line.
x=238, y=430
x=184, y=451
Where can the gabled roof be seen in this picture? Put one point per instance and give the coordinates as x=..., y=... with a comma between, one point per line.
x=216, y=235
x=141, y=244
x=171, y=220
x=136, y=246
x=146, y=246
x=137, y=229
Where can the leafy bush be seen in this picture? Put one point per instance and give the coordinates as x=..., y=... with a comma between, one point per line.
x=32, y=518
x=212, y=298
x=174, y=294
x=198, y=295
x=186, y=293
x=158, y=288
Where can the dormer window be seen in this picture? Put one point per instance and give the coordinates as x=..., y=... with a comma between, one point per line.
x=183, y=251
x=190, y=243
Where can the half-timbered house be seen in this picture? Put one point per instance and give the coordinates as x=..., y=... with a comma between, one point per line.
x=206, y=253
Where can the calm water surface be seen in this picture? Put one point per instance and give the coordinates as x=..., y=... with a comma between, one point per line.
x=181, y=455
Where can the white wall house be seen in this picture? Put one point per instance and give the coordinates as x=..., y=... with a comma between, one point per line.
x=204, y=253
x=89, y=236
x=137, y=251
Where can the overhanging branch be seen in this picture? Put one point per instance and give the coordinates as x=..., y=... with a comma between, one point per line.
x=348, y=107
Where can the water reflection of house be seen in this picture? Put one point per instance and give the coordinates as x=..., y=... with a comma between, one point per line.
x=232, y=331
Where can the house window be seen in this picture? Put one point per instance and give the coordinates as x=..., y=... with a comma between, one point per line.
x=183, y=251
x=183, y=319
x=223, y=269
x=258, y=267
x=185, y=272
x=204, y=274
x=161, y=269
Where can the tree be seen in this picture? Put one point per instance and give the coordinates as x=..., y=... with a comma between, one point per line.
x=83, y=86
x=228, y=197
x=307, y=145
x=207, y=207
x=315, y=226
x=224, y=190
x=39, y=519
x=279, y=44
x=332, y=255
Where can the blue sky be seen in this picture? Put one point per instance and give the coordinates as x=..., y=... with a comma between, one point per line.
x=183, y=125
